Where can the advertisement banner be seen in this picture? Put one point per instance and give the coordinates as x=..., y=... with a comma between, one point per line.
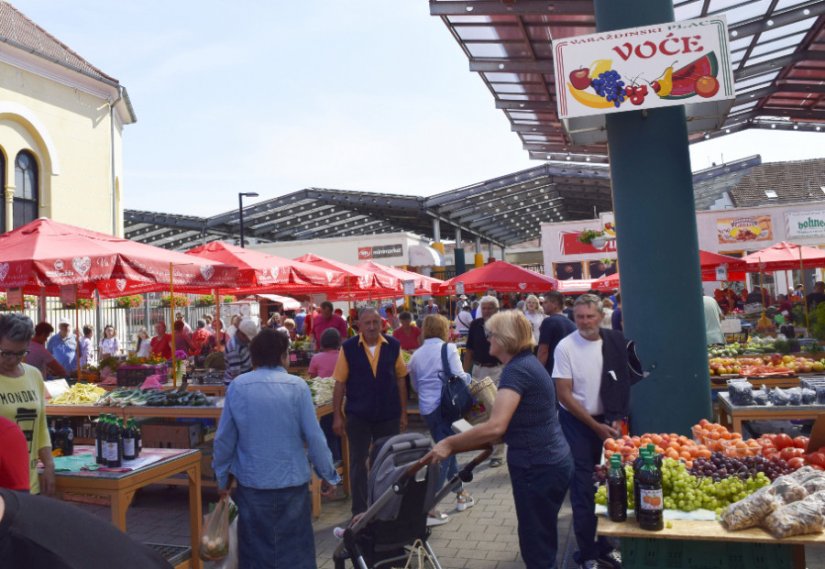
x=805, y=223
x=380, y=252
x=663, y=65
x=732, y=230
x=570, y=244
x=14, y=297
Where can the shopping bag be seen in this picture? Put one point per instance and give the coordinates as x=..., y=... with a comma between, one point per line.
x=484, y=395
x=455, y=396
x=419, y=558
x=215, y=532
x=231, y=559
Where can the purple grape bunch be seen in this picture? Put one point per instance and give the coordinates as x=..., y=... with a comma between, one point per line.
x=720, y=466
x=610, y=86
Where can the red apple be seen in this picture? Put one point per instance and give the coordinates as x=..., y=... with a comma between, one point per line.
x=580, y=79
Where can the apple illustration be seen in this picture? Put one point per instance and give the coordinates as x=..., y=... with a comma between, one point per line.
x=656, y=86
x=580, y=79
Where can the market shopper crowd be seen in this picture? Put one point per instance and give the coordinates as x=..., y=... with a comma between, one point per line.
x=552, y=410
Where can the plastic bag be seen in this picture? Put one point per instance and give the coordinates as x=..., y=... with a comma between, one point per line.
x=814, y=484
x=801, y=475
x=799, y=518
x=741, y=392
x=794, y=396
x=215, y=532
x=747, y=513
x=808, y=396
x=231, y=559
x=820, y=394
x=779, y=397
x=761, y=396
x=751, y=511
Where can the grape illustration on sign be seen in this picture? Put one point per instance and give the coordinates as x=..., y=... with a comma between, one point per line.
x=675, y=63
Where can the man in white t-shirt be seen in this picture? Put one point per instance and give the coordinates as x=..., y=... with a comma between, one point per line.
x=580, y=366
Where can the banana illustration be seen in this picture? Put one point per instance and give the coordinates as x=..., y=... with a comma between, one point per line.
x=600, y=66
x=589, y=99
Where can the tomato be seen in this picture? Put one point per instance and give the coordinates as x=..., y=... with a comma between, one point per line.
x=796, y=462
x=817, y=459
x=816, y=467
x=791, y=452
x=782, y=441
x=800, y=442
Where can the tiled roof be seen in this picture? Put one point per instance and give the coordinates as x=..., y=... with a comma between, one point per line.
x=793, y=182
x=19, y=31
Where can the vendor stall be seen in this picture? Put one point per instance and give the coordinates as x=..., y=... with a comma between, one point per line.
x=155, y=466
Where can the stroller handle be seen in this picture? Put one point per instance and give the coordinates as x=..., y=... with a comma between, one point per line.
x=466, y=473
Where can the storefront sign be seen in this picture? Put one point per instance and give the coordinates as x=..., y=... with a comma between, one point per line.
x=379, y=252
x=805, y=223
x=731, y=230
x=664, y=65
x=570, y=244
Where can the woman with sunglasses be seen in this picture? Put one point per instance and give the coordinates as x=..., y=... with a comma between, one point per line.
x=22, y=397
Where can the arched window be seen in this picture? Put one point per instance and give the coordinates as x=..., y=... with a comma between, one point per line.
x=2, y=192
x=26, y=194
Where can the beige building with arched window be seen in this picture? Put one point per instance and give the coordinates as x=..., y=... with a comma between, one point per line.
x=61, y=123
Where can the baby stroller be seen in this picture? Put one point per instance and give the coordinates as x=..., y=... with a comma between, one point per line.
x=400, y=492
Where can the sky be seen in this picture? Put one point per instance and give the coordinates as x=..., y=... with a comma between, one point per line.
x=273, y=97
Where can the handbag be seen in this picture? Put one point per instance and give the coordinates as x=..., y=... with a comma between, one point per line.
x=456, y=400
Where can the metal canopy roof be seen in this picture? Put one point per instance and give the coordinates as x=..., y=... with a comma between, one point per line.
x=777, y=49
x=504, y=211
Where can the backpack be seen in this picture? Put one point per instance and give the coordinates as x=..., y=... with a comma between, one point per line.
x=456, y=400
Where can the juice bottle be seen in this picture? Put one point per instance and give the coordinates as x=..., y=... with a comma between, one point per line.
x=637, y=466
x=616, y=490
x=129, y=442
x=651, y=499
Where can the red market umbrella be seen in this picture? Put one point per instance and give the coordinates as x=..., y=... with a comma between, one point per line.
x=607, y=283
x=499, y=276
x=44, y=256
x=361, y=281
x=423, y=284
x=259, y=272
x=785, y=256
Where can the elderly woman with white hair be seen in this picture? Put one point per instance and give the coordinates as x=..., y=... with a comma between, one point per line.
x=479, y=361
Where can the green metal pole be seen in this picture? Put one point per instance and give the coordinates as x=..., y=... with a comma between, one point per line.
x=658, y=248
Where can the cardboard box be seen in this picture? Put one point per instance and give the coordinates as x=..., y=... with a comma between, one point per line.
x=171, y=435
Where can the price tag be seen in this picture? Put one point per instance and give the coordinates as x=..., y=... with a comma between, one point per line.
x=14, y=297
x=459, y=288
x=68, y=294
x=409, y=288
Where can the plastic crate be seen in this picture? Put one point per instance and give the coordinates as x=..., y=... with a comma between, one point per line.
x=132, y=375
x=174, y=554
x=675, y=554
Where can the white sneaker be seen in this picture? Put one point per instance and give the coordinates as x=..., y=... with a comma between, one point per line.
x=464, y=501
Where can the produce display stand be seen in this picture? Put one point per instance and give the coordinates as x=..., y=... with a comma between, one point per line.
x=734, y=415
x=758, y=382
x=210, y=389
x=706, y=544
x=120, y=487
x=199, y=413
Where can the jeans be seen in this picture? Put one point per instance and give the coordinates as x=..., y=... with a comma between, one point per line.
x=440, y=430
x=538, y=492
x=275, y=528
x=586, y=448
x=362, y=434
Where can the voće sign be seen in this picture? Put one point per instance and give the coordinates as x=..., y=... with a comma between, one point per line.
x=674, y=63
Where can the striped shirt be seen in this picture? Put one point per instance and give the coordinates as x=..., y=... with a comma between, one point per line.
x=238, y=360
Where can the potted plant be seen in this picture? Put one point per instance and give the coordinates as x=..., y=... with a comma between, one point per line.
x=179, y=300
x=134, y=301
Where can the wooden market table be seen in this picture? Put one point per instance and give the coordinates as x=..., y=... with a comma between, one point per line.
x=120, y=487
x=203, y=412
x=705, y=539
x=734, y=416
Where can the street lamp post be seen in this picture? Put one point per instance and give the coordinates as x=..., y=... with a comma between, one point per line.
x=241, y=196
